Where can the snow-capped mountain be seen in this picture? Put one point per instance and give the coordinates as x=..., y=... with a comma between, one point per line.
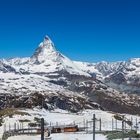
x=123, y=75
x=127, y=77
x=46, y=59
x=107, y=68
x=70, y=84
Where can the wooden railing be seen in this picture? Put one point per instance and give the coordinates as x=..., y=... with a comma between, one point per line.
x=31, y=132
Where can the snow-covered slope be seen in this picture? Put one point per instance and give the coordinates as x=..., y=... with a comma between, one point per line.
x=89, y=68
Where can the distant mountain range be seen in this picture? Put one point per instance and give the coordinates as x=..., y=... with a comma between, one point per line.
x=68, y=84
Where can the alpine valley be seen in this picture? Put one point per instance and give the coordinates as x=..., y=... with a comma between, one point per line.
x=50, y=79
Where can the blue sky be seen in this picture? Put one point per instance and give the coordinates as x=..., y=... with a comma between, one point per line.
x=86, y=30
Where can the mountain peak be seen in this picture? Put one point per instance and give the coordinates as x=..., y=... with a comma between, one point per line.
x=45, y=49
x=47, y=43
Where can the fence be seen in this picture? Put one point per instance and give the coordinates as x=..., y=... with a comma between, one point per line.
x=86, y=126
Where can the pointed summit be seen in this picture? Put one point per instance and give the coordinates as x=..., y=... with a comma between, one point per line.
x=47, y=43
x=45, y=49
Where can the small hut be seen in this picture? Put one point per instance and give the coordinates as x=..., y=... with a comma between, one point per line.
x=61, y=129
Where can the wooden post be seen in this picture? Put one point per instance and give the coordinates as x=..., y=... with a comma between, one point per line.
x=23, y=127
x=132, y=123
x=116, y=124
x=90, y=123
x=112, y=124
x=28, y=129
x=9, y=127
x=87, y=126
x=100, y=125
x=18, y=127
x=125, y=125
x=123, y=128
x=136, y=125
x=15, y=126
x=4, y=127
x=56, y=123
x=42, y=128
x=84, y=124
x=94, y=126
